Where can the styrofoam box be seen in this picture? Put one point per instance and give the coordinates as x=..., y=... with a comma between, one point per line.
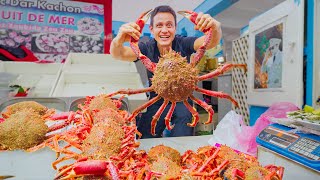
x=81, y=62
x=41, y=77
x=90, y=84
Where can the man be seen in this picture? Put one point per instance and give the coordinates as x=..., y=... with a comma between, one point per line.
x=163, y=28
x=272, y=63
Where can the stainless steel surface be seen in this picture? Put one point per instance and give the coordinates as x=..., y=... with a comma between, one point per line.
x=60, y=104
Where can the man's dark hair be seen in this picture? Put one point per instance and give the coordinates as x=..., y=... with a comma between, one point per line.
x=163, y=8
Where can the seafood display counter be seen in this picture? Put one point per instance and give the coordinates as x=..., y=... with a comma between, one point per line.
x=82, y=62
x=37, y=165
x=60, y=104
x=40, y=78
x=72, y=84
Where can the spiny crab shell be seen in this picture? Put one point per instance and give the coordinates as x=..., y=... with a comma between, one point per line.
x=101, y=102
x=164, y=151
x=174, y=78
x=108, y=115
x=22, y=130
x=169, y=169
x=103, y=142
x=21, y=106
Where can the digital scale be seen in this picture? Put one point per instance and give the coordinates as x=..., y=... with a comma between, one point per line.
x=300, y=148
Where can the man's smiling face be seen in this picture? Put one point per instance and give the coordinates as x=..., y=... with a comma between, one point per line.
x=163, y=29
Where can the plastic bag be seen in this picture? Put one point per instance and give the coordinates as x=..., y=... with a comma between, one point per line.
x=227, y=130
x=233, y=132
x=280, y=109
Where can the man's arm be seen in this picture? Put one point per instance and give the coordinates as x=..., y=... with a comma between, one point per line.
x=205, y=21
x=117, y=49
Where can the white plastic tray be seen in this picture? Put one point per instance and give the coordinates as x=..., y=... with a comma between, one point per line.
x=72, y=84
x=42, y=77
x=37, y=165
x=81, y=62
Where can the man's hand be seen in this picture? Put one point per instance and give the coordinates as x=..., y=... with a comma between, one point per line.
x=117, y=49
x=127, y=31
x=205, y=21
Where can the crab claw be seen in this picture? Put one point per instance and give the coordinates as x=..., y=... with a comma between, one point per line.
x=192, y=16
x=90, y=167
x=134, y=43
x=142, y=21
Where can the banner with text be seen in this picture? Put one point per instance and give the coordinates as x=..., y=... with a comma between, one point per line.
x=52, y=29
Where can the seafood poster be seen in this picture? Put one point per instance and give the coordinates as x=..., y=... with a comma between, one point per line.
x=52, y=29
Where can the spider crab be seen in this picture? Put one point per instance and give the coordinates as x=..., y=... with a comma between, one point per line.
x=175, y=79
x=104, y=150
x=24, y=125
x=225, y=163
x=94, y=110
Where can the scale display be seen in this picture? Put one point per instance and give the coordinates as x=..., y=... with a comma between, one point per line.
x=303, y=148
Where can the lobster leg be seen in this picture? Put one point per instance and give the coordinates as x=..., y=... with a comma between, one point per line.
x=207, y=107
x=167, y=119
x=156, y=117
x=221, y=70
x=217, y=94
x=151, y=66
x=147, y=104
x=194, y=113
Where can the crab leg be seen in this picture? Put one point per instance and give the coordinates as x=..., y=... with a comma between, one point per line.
x=217, y=94
x=192, y=16
x=131, y=91
x=94, y=167
x=54, y=164
x=278, y=170
x=167, y=119
x=237, y=173
x=147, y=104
x=134, y=43
x=202, y=168
x=207, y=107
x=221, y=70
x=194, y=113
x=157, y=116
x=67, y=115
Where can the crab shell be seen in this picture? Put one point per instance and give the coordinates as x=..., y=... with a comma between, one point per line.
x=22, y=130
x=101, y=102
x=164, y=151
x=169, y=169
x=171, y=84
x=103, y=141
x=21, y=106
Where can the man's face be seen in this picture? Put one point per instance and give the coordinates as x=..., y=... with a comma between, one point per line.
x=163, y=29
x=274, y=49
